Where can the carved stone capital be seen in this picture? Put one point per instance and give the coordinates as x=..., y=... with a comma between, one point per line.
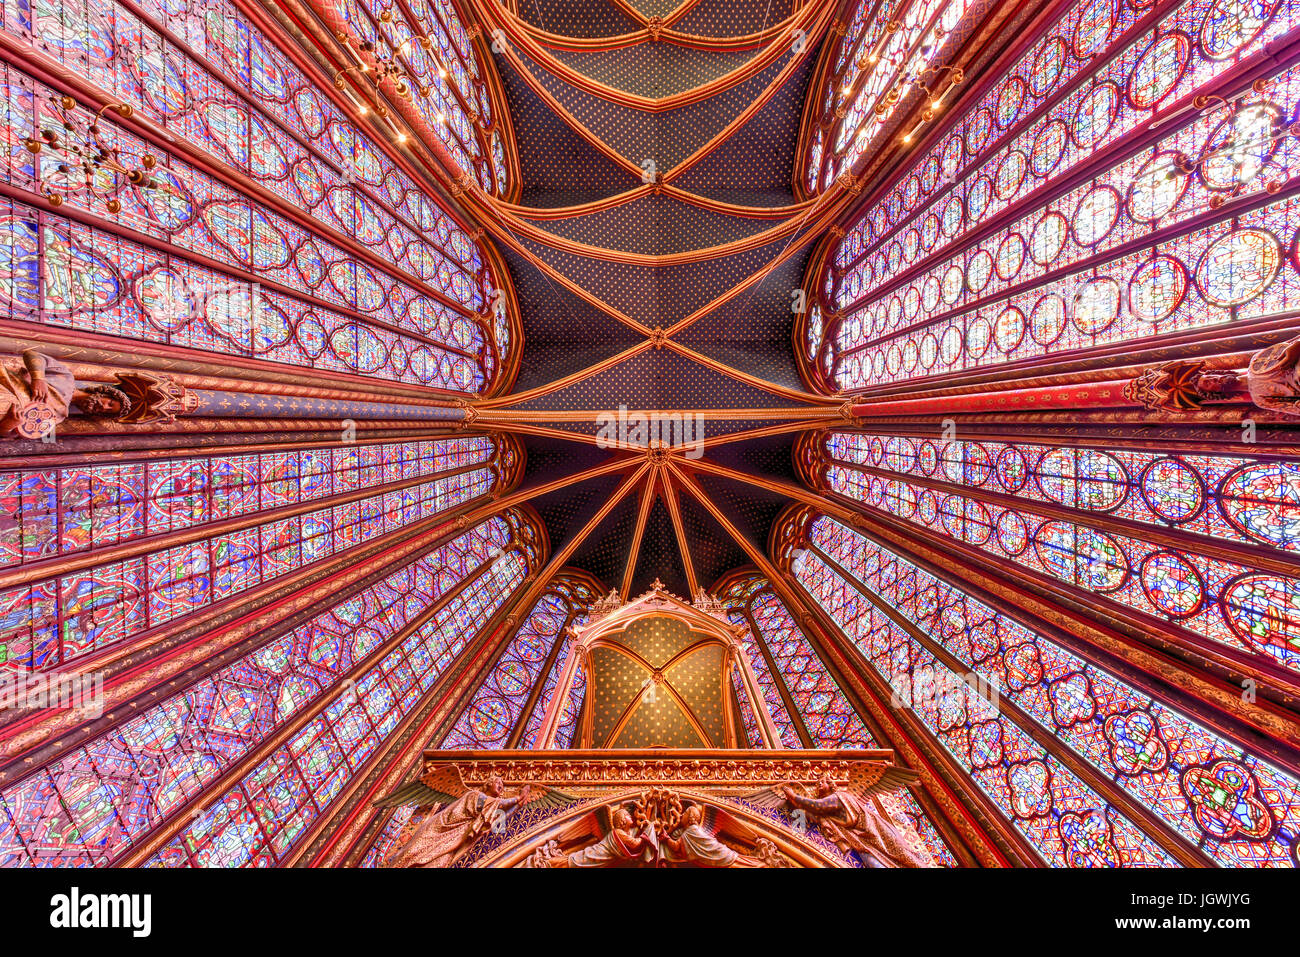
x=464, y=183
x=1172, y=387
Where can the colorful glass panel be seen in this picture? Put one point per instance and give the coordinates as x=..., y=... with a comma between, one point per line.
x=1174, y=766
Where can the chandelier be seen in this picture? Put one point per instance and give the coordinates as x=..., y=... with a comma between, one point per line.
x=83, y=149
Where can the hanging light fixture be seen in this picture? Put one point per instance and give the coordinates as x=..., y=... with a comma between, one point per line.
x=83, y=148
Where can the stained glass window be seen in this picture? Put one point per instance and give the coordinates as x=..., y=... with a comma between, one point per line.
x=495, y=714
x=928, y=638
x=499, y=703
x=227, y=546
x=1090, y=531
x=779, y=651
x=570, y=708
x=439, y=57
x=973, y=257
x=890, y=50
x=341, y=684
x=307, y=246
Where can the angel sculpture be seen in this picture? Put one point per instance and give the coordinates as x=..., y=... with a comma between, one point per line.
x=464, y=815
x=1273, y=378
x=854, y=818
x=620, y=841
x=698, y=844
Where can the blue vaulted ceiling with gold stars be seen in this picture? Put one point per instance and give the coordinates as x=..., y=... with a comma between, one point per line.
x=654, y=270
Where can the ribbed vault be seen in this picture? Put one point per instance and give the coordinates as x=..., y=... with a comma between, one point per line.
x=657, y=271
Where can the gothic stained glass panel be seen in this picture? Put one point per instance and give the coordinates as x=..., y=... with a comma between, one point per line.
x=451, y=96
x=571, y=706
x=64, y=617
x=366, y=237
x=736, y=599
x=499, y=702
x=823, y=710
x=1174, y=766
x=1232, y=497
x=1065, y=820
x=962, y=495
x=889, y=50
x=391, y=639
x=257, y=821
x=61, y=511
x=830, y=720
x=919, y=282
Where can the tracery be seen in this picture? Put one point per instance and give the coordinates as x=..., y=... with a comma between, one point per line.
x=345, y=679
x=1169, y=763
x=317, y=251
x=1210, y=184
x=1185, y=580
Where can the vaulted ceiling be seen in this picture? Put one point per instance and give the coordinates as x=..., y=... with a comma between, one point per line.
x=661, y=240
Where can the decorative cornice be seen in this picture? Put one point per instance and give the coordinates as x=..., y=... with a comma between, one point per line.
x=714, y=766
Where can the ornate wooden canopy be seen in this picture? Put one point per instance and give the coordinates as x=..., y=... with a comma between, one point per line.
x=659, y=673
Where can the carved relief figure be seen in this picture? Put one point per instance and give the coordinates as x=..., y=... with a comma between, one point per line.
x=624, y=843
x=853, y=817
x=37, y=397
x=698, y=844
x=1180, y=386
x=657, y=830
x=1272, y=378
x=441, y=838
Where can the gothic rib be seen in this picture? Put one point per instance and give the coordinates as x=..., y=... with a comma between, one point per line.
x=687, y=711
x=679, y=531
x=809, y=19
x=544, y=213
x=643, y=513
x=665, y=34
